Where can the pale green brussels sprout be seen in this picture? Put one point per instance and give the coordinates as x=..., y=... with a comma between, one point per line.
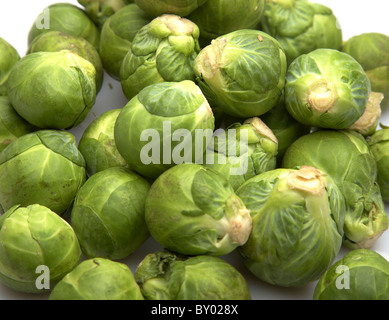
x=166, y=124
x=12, y=126
x=301, y=26
x=379, y=146
x=371, y=50
x=117, y=34
x=168, y=276
x=100, y=10
x=361, y=274
x=298, y=218
x=67, y=18
x=286, y=129
x=326, y=88
x=34, y=243
x=53, y=90
x=242, y=73
x=346, y=157
x=57, y=41
x=243, y=151
x=108, y=214
x=97, y=144
x=181, y=8
x=43, y=167
x=367, y=124
x=163, y=50
x=193, y=210
x=219, y=17
x=8, y=58
x=98, y=279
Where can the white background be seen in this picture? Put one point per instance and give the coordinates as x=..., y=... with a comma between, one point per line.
x=355, y=17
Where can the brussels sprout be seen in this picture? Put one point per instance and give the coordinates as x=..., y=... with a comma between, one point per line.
x=371, y=50
x=301, y=26
x=67, y=18
x=181, y=8
x=326, y=88
x=171, y=114
x=243, y=151
x=368, y=123
x=33, y=240
x=12, y=126
x=108, y=214
x=100, y=10
x=8, y=58
x=97, y=144
x=53, y=90
x=117, y=34
x=298, y=218
x=56, y=41
x=360, y=275
x=169, y=276
x=219, y=17
x=163, y=50
x=242, y=72
x=346, y=157
x=193, y=210
x=98, y=279
x=379, y=146
x=286, y=129
x=43, y=167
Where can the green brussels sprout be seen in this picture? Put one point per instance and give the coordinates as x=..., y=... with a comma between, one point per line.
x=219, y=17
x=243, y=151
x=346, y=157
x=117, y=34
x=168, y=276
x=326, y=88
x=242, y=72
x=170, y=115
x=12, y=126
x=97, y=144
x=193, y=210
x=298, y=218
x=163, y=50
x=98, y=279
x=286, y=129
x=371, y=50
x=56, y=41
x=108, y=214
x=181, y=8
x=67, y=18
x=379, y=146
x=368, y=123
x=100, y=10
x=43, y=167
x=32, y=239
x=361, y=274
x=53, y=90
x=301, y=26
x=8, y=58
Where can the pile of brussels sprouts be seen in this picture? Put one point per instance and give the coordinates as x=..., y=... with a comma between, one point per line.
x=311, y=178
